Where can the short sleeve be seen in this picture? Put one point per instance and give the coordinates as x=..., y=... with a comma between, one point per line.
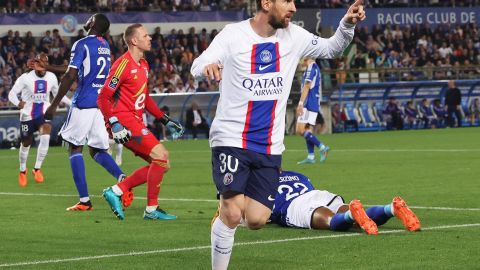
x=77, y=55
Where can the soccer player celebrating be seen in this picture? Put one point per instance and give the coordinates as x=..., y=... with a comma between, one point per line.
x=89, y=65
x=308, y=109
x=298, y=204
x=35, y=88
x=123, y=99
x=256, y=61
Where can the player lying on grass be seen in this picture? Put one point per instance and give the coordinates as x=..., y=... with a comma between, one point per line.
x=298, y=204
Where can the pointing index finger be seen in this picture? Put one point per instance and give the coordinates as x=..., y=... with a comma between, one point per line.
x=357, y=3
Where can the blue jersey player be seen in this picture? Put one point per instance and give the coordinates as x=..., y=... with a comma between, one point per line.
x=89, y=66
x=298, y=204
x=307, y=110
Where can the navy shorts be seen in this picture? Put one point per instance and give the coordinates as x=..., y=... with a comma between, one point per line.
x=27, y=128
x=253, y=174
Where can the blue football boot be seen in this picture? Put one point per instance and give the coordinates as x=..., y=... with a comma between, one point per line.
x=324, y=154
x=115, y=203
x=159, y=213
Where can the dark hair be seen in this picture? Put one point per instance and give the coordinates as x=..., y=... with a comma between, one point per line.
x=102, y=24
x=130, y=31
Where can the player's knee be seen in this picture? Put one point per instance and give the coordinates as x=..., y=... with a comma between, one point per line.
x=255, y=224
x=231, y=218
x=159, y=153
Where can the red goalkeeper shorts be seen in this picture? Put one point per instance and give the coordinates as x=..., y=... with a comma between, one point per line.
x=142, y=141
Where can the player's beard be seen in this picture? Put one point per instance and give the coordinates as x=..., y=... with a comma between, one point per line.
x=276, y=23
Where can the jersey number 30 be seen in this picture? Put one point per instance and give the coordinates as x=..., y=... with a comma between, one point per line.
x=290, y=191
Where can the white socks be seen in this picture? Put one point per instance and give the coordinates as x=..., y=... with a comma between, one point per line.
x=22, y=157
x=222, y=238
x=42, y=150
x=84, y=199
x=151, y=208
x=117, y=190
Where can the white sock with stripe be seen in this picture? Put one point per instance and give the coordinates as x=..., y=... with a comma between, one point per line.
x=42, y=150
x=222, y=238
x=23, y=156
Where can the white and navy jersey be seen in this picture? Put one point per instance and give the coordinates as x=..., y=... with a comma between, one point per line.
x=291, y=185
x=35, y=92
x=312, y=75
x=91, y=57
x=257, y=76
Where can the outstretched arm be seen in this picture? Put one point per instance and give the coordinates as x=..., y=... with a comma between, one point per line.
x=317, y=47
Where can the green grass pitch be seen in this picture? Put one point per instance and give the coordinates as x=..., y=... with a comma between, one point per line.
x=436, y=171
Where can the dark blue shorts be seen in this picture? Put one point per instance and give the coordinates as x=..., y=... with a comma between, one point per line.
x=253, y=174
x=27, y=128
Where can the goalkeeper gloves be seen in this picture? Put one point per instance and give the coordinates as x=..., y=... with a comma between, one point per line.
x=119, y=133
x=175, y=128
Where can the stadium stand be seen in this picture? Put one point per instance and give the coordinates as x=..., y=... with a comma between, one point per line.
x=365, y=103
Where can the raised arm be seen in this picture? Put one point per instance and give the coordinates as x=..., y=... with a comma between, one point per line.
x=334, y=46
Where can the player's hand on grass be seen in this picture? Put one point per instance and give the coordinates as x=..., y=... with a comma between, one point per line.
x=355, y=13
x=119, y=133
x=213, y=72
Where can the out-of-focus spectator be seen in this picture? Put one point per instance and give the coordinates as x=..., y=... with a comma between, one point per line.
x=474, y=111
x=392, y=115
x=202, y=86
x=453, y=99
x=195, y=121
x=337, y=121
x=4, y=102
x=428, y=116
x=440, y=112
x=411, y=115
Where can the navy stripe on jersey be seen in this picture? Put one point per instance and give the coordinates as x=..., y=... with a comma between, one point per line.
x=265, y=58
x=257, y=133
x=40, y=87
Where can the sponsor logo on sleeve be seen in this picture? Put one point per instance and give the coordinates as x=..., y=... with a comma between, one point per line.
x=114, y=83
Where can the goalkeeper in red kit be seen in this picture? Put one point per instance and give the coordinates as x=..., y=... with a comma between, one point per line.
x=122, y=101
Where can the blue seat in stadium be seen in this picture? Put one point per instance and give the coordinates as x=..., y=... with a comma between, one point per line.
x=351, y=124
x=368, y=121
x=377, y=108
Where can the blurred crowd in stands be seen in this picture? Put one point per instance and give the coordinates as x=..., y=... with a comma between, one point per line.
x=386, y=3
x=417, y=52
x=52, y=6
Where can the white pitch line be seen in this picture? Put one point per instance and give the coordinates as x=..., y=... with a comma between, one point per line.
x=216, y=201
x=159, y=251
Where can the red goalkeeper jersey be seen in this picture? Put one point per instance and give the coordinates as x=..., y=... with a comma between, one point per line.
x=126, y=90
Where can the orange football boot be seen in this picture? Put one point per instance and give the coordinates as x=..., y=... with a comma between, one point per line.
x=80, y=206
x=127, y=198
x=359, y=215
x=405, y=214
x=22, y=178
x=37, y=173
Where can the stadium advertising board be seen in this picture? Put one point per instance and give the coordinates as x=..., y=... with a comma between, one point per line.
x=312, y=19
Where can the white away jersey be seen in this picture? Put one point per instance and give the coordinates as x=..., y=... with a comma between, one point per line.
x=256, y=81
x=35, y=91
